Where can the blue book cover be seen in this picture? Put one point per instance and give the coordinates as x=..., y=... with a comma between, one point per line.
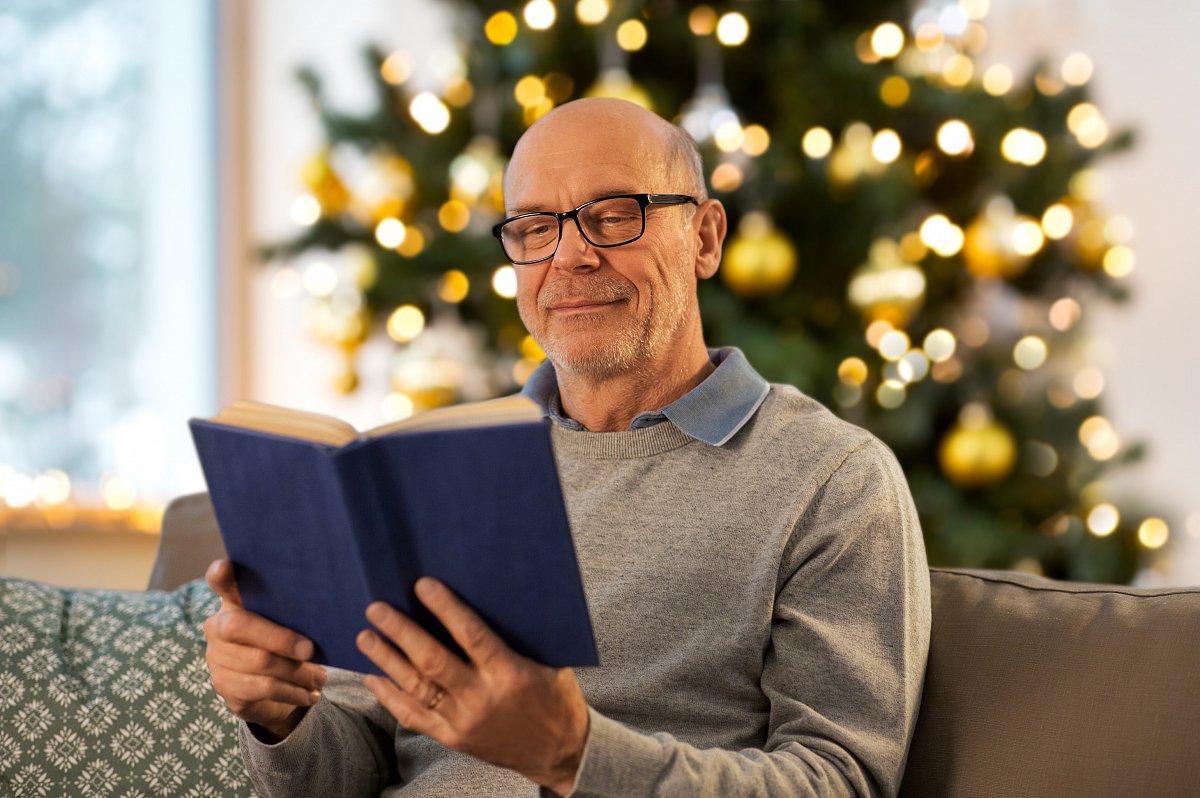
x=318, y=531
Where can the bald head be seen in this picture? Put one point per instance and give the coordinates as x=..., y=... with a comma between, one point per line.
x=666, y=151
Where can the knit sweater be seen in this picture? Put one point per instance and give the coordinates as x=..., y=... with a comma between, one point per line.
x=761, y=610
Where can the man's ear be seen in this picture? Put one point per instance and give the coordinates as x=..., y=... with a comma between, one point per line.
x=710, y=225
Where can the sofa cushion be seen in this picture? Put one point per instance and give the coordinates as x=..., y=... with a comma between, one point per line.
x=1036, y=687
x=106, y=693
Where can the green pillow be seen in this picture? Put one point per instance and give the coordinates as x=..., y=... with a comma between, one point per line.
x=105, y=693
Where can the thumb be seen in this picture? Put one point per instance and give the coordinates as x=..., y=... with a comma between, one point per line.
x=221, y=579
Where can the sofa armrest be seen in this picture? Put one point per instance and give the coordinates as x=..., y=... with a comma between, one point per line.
x=190, y=541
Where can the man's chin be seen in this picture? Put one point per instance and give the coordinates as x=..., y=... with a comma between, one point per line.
x=592, y=360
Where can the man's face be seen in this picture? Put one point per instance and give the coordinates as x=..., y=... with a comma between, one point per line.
x=600, y=312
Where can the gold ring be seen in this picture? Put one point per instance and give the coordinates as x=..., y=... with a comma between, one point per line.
x=437, y=698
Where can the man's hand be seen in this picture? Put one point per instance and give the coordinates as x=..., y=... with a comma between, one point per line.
x=498, y=706
x=258, y=668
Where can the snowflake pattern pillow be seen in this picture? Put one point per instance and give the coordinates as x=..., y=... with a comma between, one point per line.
x=105, y=693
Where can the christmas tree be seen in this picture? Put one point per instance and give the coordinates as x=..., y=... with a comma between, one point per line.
x=914, y=238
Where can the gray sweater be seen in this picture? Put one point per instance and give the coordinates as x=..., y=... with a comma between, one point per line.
x=761, y=609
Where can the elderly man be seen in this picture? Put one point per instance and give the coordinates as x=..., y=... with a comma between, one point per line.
x=753, y=565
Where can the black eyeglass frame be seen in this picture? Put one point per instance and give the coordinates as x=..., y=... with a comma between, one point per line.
x=643, y=201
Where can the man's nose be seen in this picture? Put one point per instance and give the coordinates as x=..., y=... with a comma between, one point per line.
x=574, y=253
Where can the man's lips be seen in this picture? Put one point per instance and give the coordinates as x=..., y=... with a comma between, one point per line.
x=581, y=305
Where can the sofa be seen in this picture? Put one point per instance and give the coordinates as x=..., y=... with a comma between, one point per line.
x=1034, y=687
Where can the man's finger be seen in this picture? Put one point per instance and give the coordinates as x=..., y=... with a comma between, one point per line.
x=433, y=660
x=253, y=630
x=221, y=579
x=479, y=642
x=249, y=688
x=251, y=660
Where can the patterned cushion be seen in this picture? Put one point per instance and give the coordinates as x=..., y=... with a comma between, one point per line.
x=105, y=693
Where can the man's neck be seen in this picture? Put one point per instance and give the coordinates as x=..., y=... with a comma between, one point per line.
x=609, y=405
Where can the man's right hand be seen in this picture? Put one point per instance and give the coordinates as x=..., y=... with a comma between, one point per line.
x=259, y=668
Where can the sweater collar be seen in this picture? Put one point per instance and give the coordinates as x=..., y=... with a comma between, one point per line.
x=712, y=412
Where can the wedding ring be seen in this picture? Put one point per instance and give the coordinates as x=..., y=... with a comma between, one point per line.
x=437, y=698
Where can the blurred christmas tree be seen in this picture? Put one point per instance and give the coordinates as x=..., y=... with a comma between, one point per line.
x=914, y=238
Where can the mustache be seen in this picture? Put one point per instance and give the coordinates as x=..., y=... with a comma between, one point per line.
x=599, y=288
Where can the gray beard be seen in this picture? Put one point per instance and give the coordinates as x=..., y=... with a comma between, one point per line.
x=632, y=345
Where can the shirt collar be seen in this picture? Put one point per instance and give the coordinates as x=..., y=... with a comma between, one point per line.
x=712, y=412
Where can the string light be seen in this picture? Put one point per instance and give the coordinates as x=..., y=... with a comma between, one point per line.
x=405, y=323
x=997, y=80
x=941, y=235
x=732, y=29
x=887, y=40
x=591, y=12
x=1077, y=69
x=1103, y=519
x=540, y=14
x=817, y=142
x=958, y=70
x=390, y=232
x=119, y=493
x=1153, y=533
x=631, y=35
x=396, y=68
x=320, y=279
x=893, y=344
x=1029, y=352
x=894, y=91
x=727, y=177
x=886, y=146
x=1118, y=261
x=954, y=138
x=1057, y=221
x=756, y=140
x=1023, y=146
x=429, y=112
x=939, y=345
x=453, y=286
x=305, y=210
x=397, y=406
x=1027, y=237
x=504, y=282
x=1065, y=314
x=702, y=21
x=852, y=371
x=501, y=28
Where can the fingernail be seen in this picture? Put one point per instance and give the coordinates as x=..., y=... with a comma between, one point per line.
x=366, y=640
x=313, y=698
x=322, y=678
x=303, y=649
x=427, y=586
x=376, y=613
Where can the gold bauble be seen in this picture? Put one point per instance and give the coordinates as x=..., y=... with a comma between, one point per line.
x=760, y=261
x=977, y=455
x=347, y=382
x=988, y=251
x=325, y=184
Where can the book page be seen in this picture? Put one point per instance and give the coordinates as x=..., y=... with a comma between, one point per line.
x=492, y=412
x=287, y=421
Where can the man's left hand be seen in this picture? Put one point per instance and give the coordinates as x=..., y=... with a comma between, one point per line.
x=497, y=706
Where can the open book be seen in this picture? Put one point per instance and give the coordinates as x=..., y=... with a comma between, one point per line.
x=320, y=520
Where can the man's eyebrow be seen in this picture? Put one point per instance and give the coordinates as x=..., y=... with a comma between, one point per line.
x=609, y=192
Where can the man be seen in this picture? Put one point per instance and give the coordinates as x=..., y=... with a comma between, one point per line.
x=753, y=565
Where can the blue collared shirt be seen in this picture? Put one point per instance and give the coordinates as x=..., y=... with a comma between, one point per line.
x=711, y=412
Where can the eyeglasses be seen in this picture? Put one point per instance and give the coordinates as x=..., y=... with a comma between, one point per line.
x=604, y=222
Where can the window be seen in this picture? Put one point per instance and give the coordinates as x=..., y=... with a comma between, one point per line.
x=107, y=248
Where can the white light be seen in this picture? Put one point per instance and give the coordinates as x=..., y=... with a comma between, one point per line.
x=954, y=138
x=504, y=282
x=732, y=29
x=540, y=14
x=390, y=233
x=319, y=278
x=306, y=210
x=886, y=146
x=429, y=112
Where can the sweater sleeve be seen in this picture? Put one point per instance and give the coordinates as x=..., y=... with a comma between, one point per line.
x=843, y=672
x=343, y=746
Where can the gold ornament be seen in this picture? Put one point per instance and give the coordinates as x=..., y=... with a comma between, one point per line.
x=887, y=286
x=325, y=184
x=347, y=382
x=990, y=246
x=617, y=83
x=760, y=261
x=977, y=452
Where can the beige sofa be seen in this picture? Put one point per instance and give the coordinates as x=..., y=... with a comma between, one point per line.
x=1034, y=687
